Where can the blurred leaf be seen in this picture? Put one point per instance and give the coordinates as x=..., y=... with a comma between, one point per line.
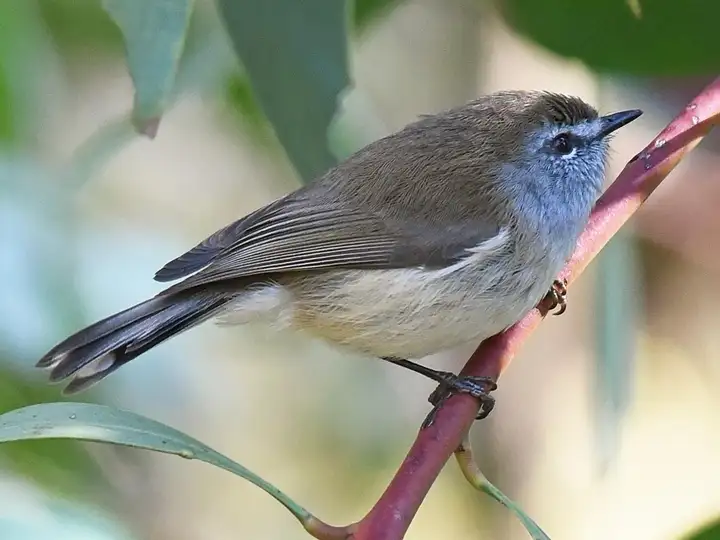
x=206, y=63
x=295, y=54
x=100, y=423
x=240, y=95
x=366, y=12
x=635, y=7
x=154, y=33
x=671, y=38
x=710, y=531
x=80, y=24
x=209, y=59
x=618, y=304
x=59, y=466
x=95, y=151
x=24, y=50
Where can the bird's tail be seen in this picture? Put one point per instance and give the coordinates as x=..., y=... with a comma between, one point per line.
x=98, y=350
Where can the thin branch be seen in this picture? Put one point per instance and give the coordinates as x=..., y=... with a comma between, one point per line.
x=473, y=474
x=322, y=531
x=390, y=518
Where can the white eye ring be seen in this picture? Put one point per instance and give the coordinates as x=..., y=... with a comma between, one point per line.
x=570, y=155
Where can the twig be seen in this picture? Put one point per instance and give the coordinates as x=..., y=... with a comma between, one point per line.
x=322, y=531
x=390, y=518
x=473, y=474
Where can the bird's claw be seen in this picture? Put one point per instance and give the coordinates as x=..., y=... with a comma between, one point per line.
x=557, y=297
x=477, y=387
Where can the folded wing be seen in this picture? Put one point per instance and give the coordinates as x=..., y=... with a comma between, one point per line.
x=292, y=235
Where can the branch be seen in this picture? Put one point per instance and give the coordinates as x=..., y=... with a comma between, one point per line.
x=390, y=518
x=473, y=474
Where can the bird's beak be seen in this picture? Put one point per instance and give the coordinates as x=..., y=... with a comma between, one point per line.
x=612, y=122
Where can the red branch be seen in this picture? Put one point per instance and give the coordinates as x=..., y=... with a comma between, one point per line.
x=390, y=518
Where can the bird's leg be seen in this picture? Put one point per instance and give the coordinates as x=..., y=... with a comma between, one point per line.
x=556, y=297
x=477, y=387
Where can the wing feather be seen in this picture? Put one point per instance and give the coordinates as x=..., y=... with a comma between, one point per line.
x=292, y=235
x=206, y=251
x=309, y=239
x=342, y=222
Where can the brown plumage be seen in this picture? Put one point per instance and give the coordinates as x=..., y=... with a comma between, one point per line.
x=439, y=234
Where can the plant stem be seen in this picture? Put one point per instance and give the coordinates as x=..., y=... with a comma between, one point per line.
x=390, y=518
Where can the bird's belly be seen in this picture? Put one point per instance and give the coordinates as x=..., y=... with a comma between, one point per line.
x=409, y=313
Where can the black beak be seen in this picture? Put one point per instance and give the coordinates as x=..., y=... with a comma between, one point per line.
x=612, y=122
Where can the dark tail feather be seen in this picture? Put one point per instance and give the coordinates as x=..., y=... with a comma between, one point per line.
x=98, y=350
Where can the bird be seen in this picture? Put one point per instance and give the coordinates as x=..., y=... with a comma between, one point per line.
x=441, y=234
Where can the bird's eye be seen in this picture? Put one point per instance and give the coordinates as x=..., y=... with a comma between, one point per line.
x=561, y=144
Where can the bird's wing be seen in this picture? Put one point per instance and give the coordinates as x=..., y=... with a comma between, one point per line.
x=294, y=235
x=207, y=251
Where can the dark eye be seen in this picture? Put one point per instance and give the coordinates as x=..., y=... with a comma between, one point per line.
x=561, y=144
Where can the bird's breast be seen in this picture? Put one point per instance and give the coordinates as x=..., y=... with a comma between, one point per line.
x=414, y=312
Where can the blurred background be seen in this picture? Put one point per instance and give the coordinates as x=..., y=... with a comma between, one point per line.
x=608, y=422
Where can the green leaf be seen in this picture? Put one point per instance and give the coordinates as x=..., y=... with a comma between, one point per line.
x=239, y=93
x=100, y=423
x=64, y=467
x=710, y=531
x=205, y=63
x=77, y=26
x=671, y=37
x=240, y=96
x=154, y=33
x=26, y=60
x=295, y=54
x=366, y=12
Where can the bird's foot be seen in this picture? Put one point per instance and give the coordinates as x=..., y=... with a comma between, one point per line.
x=477, y=387
x=557, y=297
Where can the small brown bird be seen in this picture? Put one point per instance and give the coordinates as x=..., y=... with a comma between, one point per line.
x=442, y=234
